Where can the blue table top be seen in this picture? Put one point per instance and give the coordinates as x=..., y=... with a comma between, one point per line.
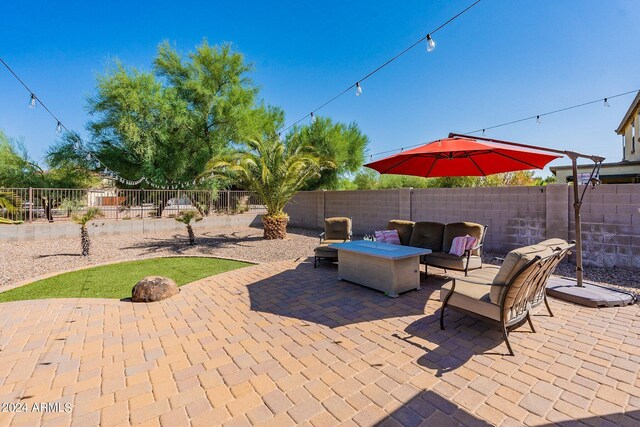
x=379, y=249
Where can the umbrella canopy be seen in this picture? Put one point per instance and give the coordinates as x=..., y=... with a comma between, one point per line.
x=461, y=156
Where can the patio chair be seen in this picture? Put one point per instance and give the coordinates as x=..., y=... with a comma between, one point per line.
x=336, y=230
x=540, y=293
x=502, y=295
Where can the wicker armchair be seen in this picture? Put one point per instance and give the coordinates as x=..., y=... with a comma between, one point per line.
x=503, y=295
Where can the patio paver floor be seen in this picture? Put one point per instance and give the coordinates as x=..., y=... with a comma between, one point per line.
x=284, y=344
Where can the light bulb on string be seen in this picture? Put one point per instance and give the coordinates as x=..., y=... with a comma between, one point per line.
x=483, y=132
x=606, y=102
x=59, y=128
x=313, y=118
x=538, y=121
x=358, y=89
x=431, y=44
x=32, y=101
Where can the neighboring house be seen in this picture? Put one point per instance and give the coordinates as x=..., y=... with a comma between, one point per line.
x=625, y=171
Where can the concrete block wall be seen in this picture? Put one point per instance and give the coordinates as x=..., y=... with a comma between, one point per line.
x=516, y=216
x=66, y=230
x=610, y=225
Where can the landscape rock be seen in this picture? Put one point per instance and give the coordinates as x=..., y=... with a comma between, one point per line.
x=154, y=288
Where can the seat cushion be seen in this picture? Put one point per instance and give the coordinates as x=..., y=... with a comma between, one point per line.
x=324, y=251
x=404, y=228
x=427, y=235
x=485, y=274
x=455, y=229
x=513, y=263
x=443, y=260
x=337, y=228
x=328, y=241
x=471, y=296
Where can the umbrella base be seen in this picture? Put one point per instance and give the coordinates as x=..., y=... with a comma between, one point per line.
x=590, y=295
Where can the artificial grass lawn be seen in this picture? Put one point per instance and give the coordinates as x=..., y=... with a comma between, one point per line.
x=116, y=280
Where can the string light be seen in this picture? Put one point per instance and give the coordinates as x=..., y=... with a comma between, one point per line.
x=59, y=128
x=358, y=89
x=32, y=101
x=606, y=102
x=431, y=44
x=537, y=117
x=538, y=120
x=313, y=118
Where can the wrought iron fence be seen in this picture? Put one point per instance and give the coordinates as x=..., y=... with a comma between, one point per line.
x=60, y=204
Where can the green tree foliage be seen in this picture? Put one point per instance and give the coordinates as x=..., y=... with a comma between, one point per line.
x=341, y=144
x=17, y=169
x=275, y=170
x=168, y=123
x=367, y=179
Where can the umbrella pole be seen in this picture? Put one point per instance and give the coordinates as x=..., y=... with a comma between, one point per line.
x=577, y=204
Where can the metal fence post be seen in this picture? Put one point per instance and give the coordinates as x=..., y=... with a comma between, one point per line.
x=117, y=204
x=30, y=204
x=228, y=202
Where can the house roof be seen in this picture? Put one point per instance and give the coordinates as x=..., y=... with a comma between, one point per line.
x=554, y=169
x=633, y=107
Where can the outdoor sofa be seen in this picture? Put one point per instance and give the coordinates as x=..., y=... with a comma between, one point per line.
x=506, y=294
x=438, y=237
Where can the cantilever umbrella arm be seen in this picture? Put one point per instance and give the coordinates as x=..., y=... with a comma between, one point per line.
x=577, y=197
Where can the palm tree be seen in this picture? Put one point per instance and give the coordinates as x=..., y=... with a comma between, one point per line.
x=9, y=202
x=275, y=171
x=186, y=218
x=83, y=220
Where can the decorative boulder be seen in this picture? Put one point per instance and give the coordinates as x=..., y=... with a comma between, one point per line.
x=154, y=288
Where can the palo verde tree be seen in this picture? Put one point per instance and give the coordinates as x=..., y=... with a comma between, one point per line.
x=166, y=124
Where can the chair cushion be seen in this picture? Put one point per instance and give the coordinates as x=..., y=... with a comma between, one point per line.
x=456, y=229
x=328, y=241
x=443, y=260
x=404, y=228
x=472, y=296
x=512, y=264
x=324, y=251
x=555, y=243
x=337, y=228
x=427, y=235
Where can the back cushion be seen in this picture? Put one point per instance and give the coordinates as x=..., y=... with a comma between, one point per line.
x=337, y=228
x=404, y=228
x=554, y=243
x=456, y=229
x=513, y=262
x=427, y=235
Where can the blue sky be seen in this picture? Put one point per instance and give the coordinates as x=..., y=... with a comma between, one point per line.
x=503, y=60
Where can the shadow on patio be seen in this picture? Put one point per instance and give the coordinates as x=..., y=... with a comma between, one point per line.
x=435, y=409
x=316, y=295
x=439, y=411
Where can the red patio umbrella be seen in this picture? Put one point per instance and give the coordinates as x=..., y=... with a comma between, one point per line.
x=462, y=156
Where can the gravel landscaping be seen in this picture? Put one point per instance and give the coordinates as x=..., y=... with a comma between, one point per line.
x=27, y=260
